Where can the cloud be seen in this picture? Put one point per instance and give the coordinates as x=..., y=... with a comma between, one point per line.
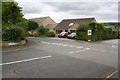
x=102, y=11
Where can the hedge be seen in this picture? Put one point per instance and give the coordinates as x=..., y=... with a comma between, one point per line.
x=99, y=32
x=42, y=31
x=13, y=33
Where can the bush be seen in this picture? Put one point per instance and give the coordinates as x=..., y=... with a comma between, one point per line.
x=42, y=31
x=99, y=32
x=13, y=33
x=51, y=33
x=33, y=33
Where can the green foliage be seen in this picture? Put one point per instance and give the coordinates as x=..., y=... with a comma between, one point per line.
x=42, y=31
x=51, y=33
x=13, y=23
x=32, y=25
x=11, y=13
x=99, y=32
x=23, y=24
x=13, y=33
x=33, y=33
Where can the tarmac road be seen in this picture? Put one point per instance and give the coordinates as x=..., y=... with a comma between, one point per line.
x=62, y=58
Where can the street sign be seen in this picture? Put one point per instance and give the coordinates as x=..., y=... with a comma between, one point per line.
x=11, y=44
x=89, y=32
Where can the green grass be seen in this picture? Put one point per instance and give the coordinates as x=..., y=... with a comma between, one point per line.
x=42, y=36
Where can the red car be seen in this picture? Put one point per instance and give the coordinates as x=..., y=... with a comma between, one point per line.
x=63, y=34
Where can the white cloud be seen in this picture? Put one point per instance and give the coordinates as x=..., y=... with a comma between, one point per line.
x=102, y=11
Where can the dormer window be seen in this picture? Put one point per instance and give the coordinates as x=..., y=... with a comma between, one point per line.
x=71, y=24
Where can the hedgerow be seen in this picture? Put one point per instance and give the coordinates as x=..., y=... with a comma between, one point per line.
x=99, y=32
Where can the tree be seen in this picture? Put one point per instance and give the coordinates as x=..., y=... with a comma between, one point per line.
x=32, y=25
x=11, y=13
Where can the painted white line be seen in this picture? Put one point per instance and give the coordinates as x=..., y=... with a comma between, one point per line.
x=58, y=44
x=111, y=74
x=48, y=43
x=53, y=43
x=114, y=46
x=114, y=42
x=79, y=51
x=79, y=47
x=71, y=52
x=64, y=45
x=71, y=46
x=25, y=60
x=43, y=42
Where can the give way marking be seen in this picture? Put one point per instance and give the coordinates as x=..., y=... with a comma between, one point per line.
x=26, y=60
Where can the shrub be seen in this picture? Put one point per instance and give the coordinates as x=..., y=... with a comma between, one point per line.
x=42, y=31
x=13, y=33
x=99, y=32
x=82, y=32
x=51, y=33
x=33, y=33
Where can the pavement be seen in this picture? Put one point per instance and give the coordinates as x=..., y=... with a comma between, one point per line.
x=62, y=58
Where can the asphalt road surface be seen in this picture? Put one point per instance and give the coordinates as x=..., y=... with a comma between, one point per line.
x=62, y=58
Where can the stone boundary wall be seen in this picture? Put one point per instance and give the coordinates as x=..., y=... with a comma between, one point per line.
x=10, y=44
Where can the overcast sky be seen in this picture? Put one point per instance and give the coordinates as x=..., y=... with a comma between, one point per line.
x=102, y=11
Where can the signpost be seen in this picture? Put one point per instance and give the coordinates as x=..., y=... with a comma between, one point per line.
x=89, y=32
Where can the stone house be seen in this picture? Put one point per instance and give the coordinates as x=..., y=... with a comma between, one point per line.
x=70, y=25
x=46, y=22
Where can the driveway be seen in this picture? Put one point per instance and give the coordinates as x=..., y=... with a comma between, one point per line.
x=62, y=58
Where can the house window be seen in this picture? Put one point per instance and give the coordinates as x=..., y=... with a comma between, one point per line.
x=71, y=24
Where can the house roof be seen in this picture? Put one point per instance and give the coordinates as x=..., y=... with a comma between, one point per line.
x=51, y=26
x=67, y=23
x=38, y=20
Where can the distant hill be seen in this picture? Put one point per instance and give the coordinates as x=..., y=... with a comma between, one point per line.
x=111, y=23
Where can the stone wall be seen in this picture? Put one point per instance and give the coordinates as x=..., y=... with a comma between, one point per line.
x=9, y=43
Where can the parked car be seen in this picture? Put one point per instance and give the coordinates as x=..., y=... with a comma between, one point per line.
x=63, y=34
x=71, y=36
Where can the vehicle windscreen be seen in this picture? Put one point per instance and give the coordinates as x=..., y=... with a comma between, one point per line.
x=73, y=33
x=63, y=33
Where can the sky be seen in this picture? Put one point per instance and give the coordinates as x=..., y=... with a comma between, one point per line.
x=104, y=11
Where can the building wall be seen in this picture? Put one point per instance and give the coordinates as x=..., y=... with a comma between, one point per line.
x=47, y=21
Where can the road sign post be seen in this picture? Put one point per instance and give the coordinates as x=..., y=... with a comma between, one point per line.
x=89, y=32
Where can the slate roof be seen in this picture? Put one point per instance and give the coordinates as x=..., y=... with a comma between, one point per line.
x=38, y=20
x=51, y=26
x=64, y=24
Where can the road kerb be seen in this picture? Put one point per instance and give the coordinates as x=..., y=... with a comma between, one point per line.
x=110, y=74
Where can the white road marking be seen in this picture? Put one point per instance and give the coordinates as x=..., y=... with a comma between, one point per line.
x=79, y=47
x=79, y=50
x=53, y=43
x=115, y=42
x=26, y=60
x=64, y=45
x=114, y=46
x=58, y=44
x=71, y=46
